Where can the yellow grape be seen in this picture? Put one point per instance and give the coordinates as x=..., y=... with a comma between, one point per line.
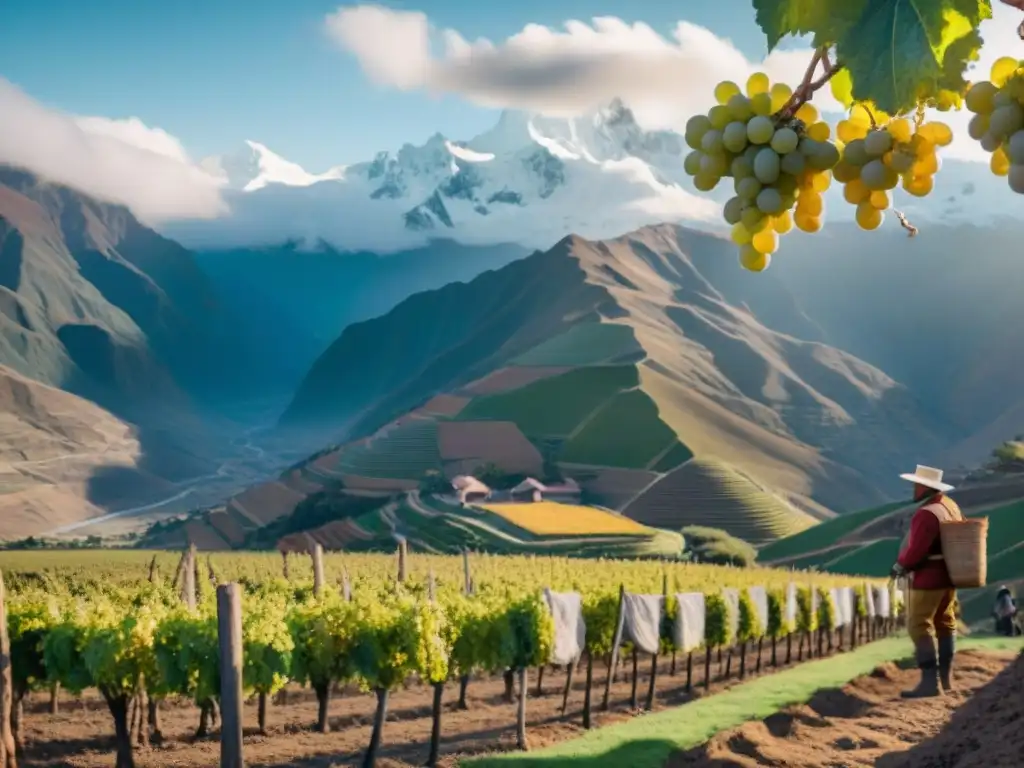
x=1000, y=162
x=766, y=241
x=919, y=186
x=980, y=97
x=820, y=182
x=845, y=173
x=780, y=93
x=807, y=223
x=810, y=203
x=725, y=90
x=879, y=199
x=936, y=133
x=1002, y=70
x=757, y=83
x=868, y=217
x=740, y=234
x=856, y=192
x=754, y=261
x=783, y=223
x=926, y=166
x=807, y=113
x=819, y=131
x=848, y=130
x=901, y=130
x=761, y=103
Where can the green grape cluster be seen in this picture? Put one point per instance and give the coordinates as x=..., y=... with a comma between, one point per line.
x=876, y=157
x=998, y=122
x=775, y=163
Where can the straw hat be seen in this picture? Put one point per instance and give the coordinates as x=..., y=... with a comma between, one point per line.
x=928, y=477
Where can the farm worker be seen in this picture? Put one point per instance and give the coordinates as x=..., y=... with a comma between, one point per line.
x=1005, y=610
x=931, y=601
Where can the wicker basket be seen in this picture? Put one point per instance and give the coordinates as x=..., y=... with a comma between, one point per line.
x=964, y=545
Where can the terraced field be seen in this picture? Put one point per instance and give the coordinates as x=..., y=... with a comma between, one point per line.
x=469, y=444
x=554, y=407
x=548, y=518
x=612, y=488
x=585, y=344
x=708, y=492
x=265, y=503
x=514, y=377
x=627, y=433
x=406, y=451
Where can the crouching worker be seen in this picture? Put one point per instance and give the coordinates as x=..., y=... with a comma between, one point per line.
x=931, y=599
x=1004, y=613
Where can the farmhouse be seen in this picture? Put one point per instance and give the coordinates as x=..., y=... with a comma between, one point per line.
x=533, y=490
x=470, y=490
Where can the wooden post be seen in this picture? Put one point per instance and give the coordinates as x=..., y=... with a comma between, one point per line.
x=569, y=669
x=346, y=585
x=284, y=564
x=318, y=570
x=521, y=713
x=229, y=633
x=189, y=579
x=431, y=586
x=467, y=578
x=632, y=695
x=707, y=667
x=152, y=570
x=586, y=693
x=616, y=640
x=8, y=756
x=403, y=553
x=654, y=677
x=689, y=671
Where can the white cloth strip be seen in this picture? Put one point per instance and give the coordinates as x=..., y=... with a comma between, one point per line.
x=642, y=620
x=570, y=628
x=689, y=624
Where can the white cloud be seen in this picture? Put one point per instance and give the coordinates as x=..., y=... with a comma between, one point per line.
x=569, y=72
x=121, y=161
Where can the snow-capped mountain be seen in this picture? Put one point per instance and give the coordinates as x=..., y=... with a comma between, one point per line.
x=530, y=180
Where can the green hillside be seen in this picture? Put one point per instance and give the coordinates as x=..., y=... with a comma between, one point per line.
x=555, y=406
x=627, y=432
x=585, y=344
x=708, y=492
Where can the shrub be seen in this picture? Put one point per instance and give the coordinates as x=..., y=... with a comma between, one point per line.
x=711, y=545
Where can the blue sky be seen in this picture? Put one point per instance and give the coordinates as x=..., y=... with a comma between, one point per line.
x=215, y=73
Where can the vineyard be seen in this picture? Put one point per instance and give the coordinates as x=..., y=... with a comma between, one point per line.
x=146, y=632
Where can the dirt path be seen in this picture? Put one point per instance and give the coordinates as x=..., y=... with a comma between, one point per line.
x=866, y=723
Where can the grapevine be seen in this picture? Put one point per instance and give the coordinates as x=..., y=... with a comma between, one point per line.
x=886, y=68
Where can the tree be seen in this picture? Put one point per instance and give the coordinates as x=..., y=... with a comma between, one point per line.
x=886, y=65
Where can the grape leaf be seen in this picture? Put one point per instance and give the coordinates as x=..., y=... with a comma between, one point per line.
x=900, y=51
x=779, y=18
x=842, y=87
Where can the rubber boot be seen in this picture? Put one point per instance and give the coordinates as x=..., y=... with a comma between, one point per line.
x=947, y=651
x=926, y=662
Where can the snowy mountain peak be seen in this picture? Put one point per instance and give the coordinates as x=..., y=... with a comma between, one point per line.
x=255, y=166
x=530, y=179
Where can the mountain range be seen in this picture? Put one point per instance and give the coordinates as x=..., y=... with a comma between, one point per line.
x=357, y=300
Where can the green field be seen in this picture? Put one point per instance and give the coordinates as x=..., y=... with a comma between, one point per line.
x=555, y=406
x=820, y=559
x=710, y=493
x=676, y=455
x=824, y=534
x=585, y=344
x=626, y=433
x=408, y=451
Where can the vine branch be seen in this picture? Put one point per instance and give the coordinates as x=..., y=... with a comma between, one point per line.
x=810, y=84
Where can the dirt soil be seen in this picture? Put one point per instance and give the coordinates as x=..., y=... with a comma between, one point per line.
x=80, y=735
x=979, y=725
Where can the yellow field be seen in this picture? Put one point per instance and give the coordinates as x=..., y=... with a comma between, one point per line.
x=549, y=518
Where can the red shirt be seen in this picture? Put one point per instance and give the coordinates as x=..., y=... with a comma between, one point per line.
x=924, y=541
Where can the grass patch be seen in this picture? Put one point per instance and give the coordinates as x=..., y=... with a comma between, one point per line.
x=677, y=454
x=649, y=740
x=626, y=433
x=554, y=406
x=584, y=344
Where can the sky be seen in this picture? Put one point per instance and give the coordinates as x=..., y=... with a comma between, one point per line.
x=124, y=98
x=213, y=74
